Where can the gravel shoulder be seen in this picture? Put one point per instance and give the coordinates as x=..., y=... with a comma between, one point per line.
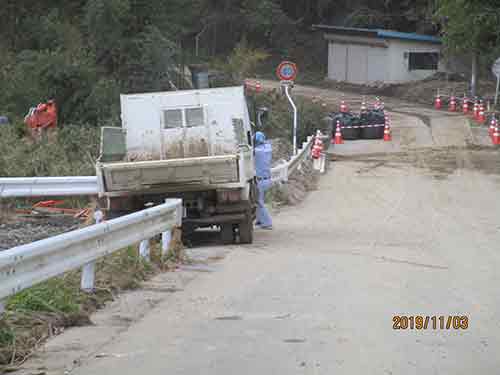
x=18, y=231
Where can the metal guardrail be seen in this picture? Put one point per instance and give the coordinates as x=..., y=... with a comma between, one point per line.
x=24, y=266
x=17, y=187
x=281, y=172
x=47, y=186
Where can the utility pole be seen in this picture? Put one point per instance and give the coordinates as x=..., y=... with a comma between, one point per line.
x=473, y=83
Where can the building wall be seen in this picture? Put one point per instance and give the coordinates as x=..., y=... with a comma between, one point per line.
x=357, y=63
x=398, y=60
x=380, y=61
x=337, y=62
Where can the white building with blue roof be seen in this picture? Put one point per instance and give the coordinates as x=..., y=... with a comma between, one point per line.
x=370, y=56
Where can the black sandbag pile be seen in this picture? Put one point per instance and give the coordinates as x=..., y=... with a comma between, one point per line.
x=370, y=118
x=347, y=121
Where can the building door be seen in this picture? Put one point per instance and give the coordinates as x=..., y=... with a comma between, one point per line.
x=377, y=64
x=337, y=62
x=357, y=68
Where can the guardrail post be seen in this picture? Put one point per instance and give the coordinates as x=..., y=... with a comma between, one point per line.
x=166, y=237
x=88, y=270
x=144, y=249
x=179, y=214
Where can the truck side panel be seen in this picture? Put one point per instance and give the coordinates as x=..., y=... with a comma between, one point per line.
x=141, y=176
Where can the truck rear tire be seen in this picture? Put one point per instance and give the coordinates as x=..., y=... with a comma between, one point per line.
x=246, y=231
x=227, y=234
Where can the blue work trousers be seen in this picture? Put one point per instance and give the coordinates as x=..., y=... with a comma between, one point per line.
x=263, y=217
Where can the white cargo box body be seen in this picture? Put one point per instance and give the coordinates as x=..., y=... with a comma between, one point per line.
x=182, y=141
x=183, y=124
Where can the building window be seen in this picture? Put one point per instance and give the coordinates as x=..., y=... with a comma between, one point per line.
x=423, y=60
x=194, y=117
x=172, y=118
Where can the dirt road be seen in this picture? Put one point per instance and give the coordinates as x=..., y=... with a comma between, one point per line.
x=415, y=233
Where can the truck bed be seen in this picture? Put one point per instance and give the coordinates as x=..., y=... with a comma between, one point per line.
x=166, y=175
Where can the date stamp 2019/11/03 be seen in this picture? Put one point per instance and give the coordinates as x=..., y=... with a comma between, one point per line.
x=419, y=322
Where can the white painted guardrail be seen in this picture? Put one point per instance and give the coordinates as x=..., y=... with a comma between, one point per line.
x=47, y=186
x=16, y=187
x=281, y=172
x=24, y=266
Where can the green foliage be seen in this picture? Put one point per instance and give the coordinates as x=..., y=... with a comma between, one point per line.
x=37, y=312
x=84, y=53
x=54, y=295
x=149, y=58
x=470, y=25
x=243, y=62
x=102, y=103
x=73, y=152
x=6, y=336
x=105, y=24
x=279, y=123
x=39, y=75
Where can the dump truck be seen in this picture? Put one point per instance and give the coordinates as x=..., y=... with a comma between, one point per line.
x=194, y=144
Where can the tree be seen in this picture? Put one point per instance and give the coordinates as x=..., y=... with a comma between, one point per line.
x=471, y=26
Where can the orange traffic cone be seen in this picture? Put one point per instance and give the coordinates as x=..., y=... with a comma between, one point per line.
x=338, y=135
x=481, y=117
x=343, y=107
x=437, y=102
x=387, y=130
x=465, y=106
x=475, y=111
x=493, y=124
x=453, y=105
x=496, y=136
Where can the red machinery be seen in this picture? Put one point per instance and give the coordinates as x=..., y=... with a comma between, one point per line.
x=41, y=118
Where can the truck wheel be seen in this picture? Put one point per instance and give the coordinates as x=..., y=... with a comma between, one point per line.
x=187, y=235
x=246, y=231
x=227, y=234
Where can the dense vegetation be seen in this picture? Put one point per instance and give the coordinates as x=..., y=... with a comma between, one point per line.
x=84, y=53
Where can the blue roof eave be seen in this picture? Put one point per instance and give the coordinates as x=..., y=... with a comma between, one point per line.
x=380, y=33
x=408, y=36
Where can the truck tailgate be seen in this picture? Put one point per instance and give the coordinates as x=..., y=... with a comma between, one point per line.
x=202, y=171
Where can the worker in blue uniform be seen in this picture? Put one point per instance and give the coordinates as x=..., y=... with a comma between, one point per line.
x=263, y=160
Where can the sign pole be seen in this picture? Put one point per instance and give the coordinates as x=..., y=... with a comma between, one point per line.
x=287, y=72
x=498, y=88
x=496, y=71
x=295, y=118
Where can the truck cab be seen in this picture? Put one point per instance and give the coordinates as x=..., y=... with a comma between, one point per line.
x=196, y=145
